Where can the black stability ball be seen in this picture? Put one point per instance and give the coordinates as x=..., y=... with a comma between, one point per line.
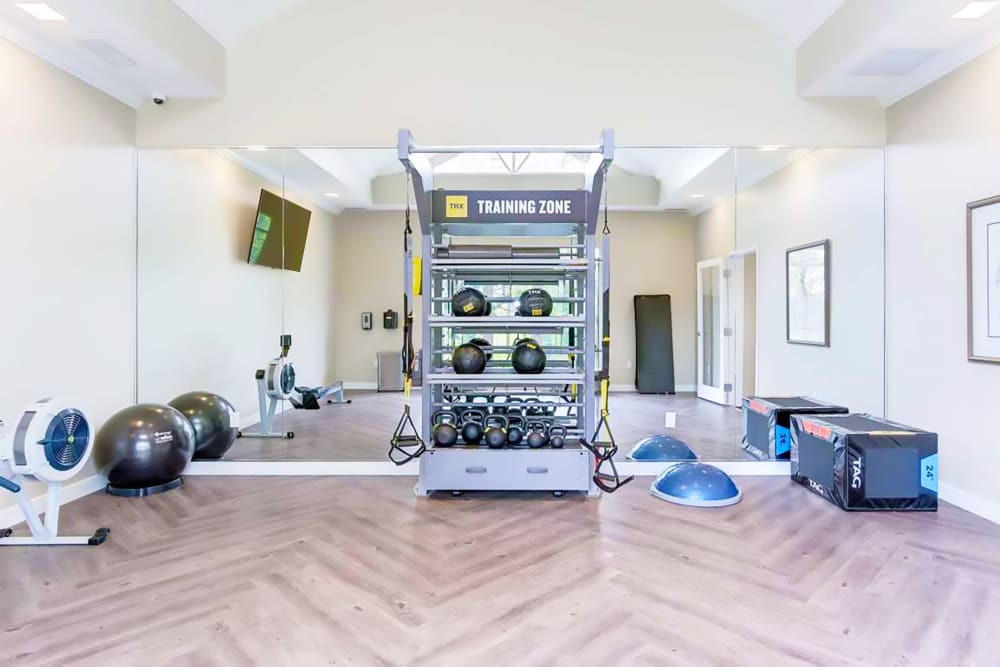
x=485, y=345
x=534, y=302
x=469, y=302
x=213, y=419
x=528, y=358
x=143, y=449
x=468, y=359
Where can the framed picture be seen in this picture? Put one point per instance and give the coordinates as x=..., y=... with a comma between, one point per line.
x=983, y=247
x=807, y=294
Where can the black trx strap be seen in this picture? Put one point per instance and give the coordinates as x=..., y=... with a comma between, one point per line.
x=606, y=475
x=406, y=443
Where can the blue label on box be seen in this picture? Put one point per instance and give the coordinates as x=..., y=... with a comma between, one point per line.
x=929, y=472
x=782, y=440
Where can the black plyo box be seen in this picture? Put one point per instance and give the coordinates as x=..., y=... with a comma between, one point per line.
x=766, y=422
x=860, y=462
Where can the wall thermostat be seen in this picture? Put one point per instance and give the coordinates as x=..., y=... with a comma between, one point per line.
x=366, y=320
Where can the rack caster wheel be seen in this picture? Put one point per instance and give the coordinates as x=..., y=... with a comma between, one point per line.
x=456, y=494
x=290, y=435
x=558, y=494
x=239, y=434
x=6, y=532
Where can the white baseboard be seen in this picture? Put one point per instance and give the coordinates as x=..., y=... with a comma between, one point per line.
x=630, y=388
x=248, y=420
x=368, y=386
x=295, y=468
x=984, y=507
x=11, y=516
x=387, y=468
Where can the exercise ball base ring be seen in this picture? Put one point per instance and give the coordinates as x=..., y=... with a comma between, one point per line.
x=144, y=491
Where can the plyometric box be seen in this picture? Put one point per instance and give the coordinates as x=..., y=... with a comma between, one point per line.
x=767, y=426
x=860, y=462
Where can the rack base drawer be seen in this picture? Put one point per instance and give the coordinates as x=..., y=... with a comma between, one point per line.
x=505, y=470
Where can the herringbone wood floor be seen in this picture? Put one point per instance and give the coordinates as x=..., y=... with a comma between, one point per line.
x=308, y=571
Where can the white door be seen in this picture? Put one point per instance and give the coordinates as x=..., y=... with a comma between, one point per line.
x=712, y=311
x=742, y=356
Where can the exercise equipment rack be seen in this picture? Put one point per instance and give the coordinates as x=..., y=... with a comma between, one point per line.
x=567, y=256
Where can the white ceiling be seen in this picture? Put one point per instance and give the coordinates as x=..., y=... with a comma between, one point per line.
x=228, y=20
x=133, y=49
x=793, y=20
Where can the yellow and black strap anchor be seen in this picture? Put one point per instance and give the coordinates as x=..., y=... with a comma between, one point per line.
x=606, y=475
x=406, y=443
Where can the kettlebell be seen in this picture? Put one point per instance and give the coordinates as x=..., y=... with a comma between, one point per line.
x=515, y=430
x=537, y=434
x=533, y=407
x=472, y=427
x=513, y=406
x=496, y=431
x=557, y=436
x=444, y=433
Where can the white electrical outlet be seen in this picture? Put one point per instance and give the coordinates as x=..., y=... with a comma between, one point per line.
x=670, y=420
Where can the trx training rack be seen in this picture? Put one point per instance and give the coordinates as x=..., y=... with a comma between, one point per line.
x=573, y=269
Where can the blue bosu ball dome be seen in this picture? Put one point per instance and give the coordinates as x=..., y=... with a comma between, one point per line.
x=661, y=448
x=697, y=485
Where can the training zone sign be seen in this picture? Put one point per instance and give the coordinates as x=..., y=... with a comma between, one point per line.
x=509, y=205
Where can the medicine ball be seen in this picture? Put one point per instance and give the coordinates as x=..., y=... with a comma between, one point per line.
x=143, y=449
x=523, y=340
x=534, y=302
x=468, y=359
x=468, y=302
x=214, y=420
x=485, y=345
x=528, y=358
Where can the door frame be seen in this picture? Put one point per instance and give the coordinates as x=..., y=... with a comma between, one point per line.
x=736, y=301
x=708, y=392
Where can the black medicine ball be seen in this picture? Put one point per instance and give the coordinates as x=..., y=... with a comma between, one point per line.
x=534, y=302
x=468, y=302
x=528, y=357
x=485, y=345
x=468, y=359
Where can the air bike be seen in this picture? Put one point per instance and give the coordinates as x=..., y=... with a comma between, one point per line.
x=276, y=383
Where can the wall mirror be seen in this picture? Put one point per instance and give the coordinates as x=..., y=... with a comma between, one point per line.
x=243, y=246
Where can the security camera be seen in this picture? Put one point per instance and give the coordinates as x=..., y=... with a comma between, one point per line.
x=159, y=100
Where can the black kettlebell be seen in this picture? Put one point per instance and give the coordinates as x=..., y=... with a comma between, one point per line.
x=515, y=429
x=557, y=436
x=538, y=435
x=444, y=433
x=472, y=427
x=496, y=431
x=513, y=406
x=533, y=407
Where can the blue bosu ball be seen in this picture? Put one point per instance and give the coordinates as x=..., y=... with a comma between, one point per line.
x=697, y=485
x=661, y=448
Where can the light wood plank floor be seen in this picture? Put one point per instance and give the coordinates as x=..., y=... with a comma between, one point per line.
x=360, y=431
x=308, y=571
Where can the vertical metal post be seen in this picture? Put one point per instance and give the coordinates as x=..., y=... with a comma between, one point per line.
x=427, y=341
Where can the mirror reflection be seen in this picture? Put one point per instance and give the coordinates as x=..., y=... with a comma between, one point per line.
x=273, y=278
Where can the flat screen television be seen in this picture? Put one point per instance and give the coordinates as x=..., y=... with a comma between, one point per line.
x=279, y=233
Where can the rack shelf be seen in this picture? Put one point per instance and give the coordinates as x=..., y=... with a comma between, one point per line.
x=504, y=379
x=507, y=322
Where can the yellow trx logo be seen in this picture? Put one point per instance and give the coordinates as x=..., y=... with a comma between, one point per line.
x=456, y=206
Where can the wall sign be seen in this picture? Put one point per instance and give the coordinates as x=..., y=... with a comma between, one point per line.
x=508, y=205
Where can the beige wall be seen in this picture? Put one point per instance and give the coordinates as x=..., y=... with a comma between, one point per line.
x=834, y=194
x=369, y=276
x=67, y=250
x=652, y=253
x=673, y=72
x=207, y=319
x=716, y=230
x=944, y=151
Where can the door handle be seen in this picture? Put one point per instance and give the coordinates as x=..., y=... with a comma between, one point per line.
x=475, y=469
x=537, y=470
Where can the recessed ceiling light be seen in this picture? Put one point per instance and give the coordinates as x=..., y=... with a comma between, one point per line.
x=697, y=195
x=768, y=149
x=332, y=194
x=975, y=10
x=43, y=12
x=256, y=148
